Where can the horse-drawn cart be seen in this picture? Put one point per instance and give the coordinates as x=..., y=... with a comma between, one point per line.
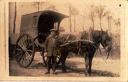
x=35, y=27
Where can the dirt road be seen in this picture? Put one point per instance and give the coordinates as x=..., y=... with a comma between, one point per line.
x=100, y=68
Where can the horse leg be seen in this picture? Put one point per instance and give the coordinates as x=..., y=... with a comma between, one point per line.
x=86, y=63
x=63, y=67
x=90, y=63
x=63, y=59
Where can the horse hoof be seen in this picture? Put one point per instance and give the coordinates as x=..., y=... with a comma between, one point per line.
x=87, y=75
x=64, y=71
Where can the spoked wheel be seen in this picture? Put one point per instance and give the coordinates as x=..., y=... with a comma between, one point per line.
x=25, y=50
x=45, y=58
x=58, y=57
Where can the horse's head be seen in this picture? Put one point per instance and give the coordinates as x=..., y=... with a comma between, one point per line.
x=101, y=37
x=106, y=41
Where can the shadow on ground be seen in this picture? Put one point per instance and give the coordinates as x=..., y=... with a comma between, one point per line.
x=73, y=69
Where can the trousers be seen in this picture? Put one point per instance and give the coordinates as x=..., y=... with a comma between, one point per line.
x=51, y=63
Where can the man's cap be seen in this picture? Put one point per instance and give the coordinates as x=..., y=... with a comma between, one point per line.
x=53, y=30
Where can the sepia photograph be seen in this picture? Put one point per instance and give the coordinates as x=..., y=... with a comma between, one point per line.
x=65, y=39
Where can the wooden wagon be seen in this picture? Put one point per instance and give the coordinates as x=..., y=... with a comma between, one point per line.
x=34, y=29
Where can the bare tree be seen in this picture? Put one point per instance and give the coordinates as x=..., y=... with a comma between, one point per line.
x=117, y=22
x=69, y=7
x=84, y=16
x=92, y=16
x=74, y=13
x=37, y=5
x=15, y=15
x=100, y=10
x=109, y=17
x=52, y=7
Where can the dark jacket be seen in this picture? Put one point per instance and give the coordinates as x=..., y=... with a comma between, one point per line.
x=51, y=45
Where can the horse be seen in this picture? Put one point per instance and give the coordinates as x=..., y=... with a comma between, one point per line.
x=86, y=48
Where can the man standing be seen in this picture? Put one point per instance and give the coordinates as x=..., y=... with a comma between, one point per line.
x=51, y=44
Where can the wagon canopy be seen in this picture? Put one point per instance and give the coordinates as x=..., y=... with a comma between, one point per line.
x=41, y=21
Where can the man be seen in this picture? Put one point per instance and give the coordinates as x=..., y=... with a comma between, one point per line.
x=51, y=44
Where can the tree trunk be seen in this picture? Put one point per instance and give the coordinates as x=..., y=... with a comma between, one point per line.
x=14, y=23
x=100, y=24
x=108, y=24
x=70, y=23
x=74, y=23
x=83, y=24
x=38, y=6
x=93, y=24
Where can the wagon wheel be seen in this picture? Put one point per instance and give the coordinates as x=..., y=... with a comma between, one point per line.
x=25, y=50
x=58, y=57
x=44, y=57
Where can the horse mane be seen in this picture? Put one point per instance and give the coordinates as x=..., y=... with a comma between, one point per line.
x=93, y=35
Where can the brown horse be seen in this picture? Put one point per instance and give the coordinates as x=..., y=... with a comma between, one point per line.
x=86, y=48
